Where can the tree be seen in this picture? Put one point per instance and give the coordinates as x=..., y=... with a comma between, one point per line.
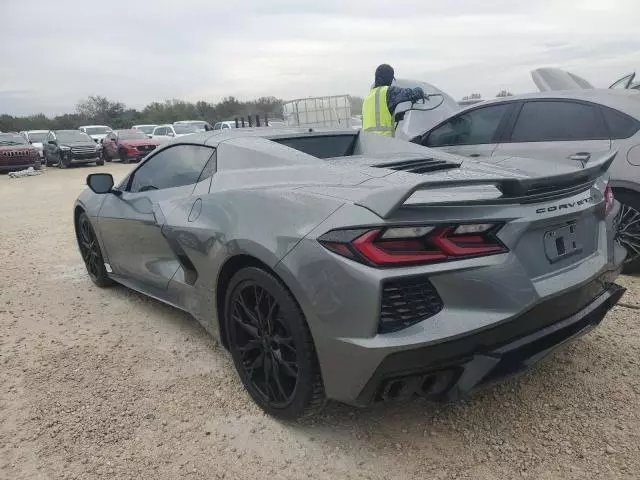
x=473, y=96
x=97, y=109
x=504, y=93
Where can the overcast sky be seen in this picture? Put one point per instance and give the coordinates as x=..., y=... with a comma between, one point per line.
x=55, y=52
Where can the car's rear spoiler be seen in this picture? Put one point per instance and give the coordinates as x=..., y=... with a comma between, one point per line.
x=386, y=200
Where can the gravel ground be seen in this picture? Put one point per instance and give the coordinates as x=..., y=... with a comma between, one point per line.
x=109, y=384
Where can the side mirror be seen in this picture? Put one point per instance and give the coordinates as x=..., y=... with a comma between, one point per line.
x=100, y=182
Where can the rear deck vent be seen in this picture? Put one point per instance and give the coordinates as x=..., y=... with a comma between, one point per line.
x=422, y=165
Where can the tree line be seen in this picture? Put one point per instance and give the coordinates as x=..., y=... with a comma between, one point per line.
x=98, y=110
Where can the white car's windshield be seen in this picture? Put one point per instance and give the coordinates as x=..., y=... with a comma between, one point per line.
x=184, y=129
x=37, y=137
x=97, y=130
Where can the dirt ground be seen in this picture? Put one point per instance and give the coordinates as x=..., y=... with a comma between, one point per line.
x=105, y=383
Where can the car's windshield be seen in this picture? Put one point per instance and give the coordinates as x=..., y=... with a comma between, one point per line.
x=73, y=136
x=97, y=130
x=146, y=129
x=130, y=135
x=37, y=137
x=184, y=129
x=7, y=139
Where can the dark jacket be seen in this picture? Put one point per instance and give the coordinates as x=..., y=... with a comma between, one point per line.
x=397, y=95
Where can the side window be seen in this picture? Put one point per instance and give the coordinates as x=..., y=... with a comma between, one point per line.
x=160, y=131
x=173, y=167
x=475, y=127
x=209, y=169
x=217, y=126
x=548, y=121
x=619, y=124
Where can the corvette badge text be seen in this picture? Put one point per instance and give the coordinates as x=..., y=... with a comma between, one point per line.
x=567, y=205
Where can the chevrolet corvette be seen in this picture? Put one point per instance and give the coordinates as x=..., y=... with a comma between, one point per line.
x=347, y=266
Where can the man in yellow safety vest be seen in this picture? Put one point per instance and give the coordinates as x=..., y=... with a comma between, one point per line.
x=378, y=106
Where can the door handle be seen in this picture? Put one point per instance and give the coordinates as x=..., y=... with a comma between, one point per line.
x=474, y=155
x=580, y=156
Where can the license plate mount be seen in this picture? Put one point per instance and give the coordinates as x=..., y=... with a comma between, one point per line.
x=562, y=242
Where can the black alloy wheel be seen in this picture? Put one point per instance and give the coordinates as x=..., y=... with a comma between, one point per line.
x=271, y=346
x=628, y=229
x=90, y=251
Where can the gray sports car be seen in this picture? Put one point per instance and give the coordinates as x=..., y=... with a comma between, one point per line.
x=345, y=265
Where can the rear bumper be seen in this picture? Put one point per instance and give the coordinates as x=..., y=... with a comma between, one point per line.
x=449, y=370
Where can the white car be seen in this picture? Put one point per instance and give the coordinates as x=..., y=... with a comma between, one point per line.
x=199, y=125
x=167, y=132
x=147, y=129
x=97, y=132
x=229, y=124
x=36, y=138
x=568, y=122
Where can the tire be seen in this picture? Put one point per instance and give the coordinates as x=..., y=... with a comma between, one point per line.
x=37, y=165
x=282, y=340
x=100, y=162
x=628, y=233
x=91, y=253
x=62, y=163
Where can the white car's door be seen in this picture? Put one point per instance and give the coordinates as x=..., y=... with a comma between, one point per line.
x=473, y=133
x=556, y=129
x=160, y=133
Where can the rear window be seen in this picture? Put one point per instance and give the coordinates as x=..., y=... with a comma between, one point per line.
x=619, y=124
x=554, y=120
x=322, y=146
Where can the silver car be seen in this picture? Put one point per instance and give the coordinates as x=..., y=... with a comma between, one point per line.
x=344, y=265
x=571, y=127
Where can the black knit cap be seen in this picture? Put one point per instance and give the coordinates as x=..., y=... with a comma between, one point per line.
x=384, y=75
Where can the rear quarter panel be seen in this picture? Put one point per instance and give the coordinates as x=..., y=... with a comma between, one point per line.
x=262, y=223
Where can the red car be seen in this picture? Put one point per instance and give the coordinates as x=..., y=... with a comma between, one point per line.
x=16, y=153
x=127, y=145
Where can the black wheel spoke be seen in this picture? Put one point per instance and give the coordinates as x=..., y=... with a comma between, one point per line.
x=284, y=342
x=289, y=368
x=267, y=370
x=249, y=329
x=247, y=311
x=250, y=346
x=276, y=376
x=257, y=363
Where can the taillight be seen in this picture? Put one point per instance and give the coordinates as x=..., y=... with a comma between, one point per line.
x=415, y=245
x=609, y=200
